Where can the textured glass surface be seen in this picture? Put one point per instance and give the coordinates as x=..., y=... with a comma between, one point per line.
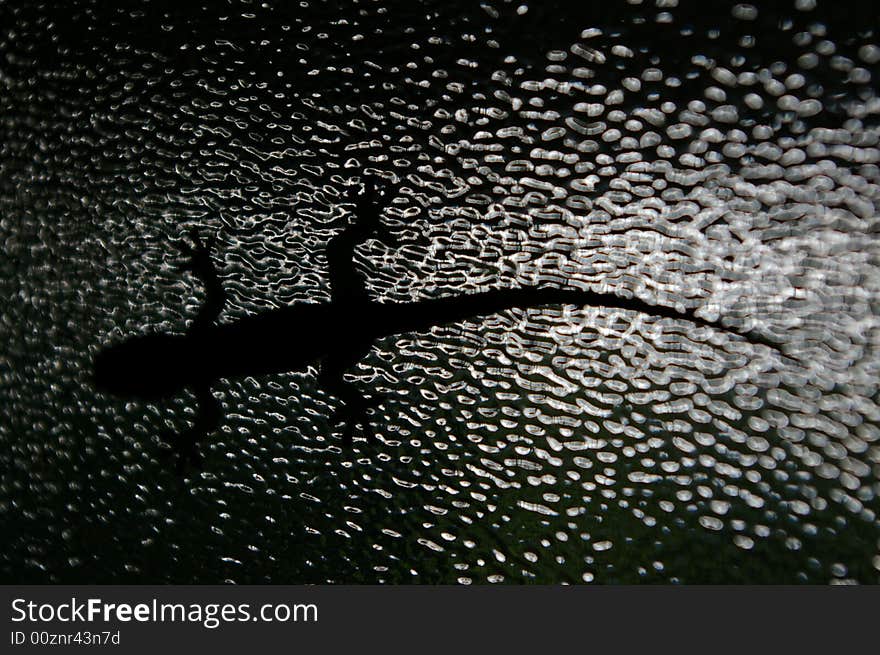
x=714, y=156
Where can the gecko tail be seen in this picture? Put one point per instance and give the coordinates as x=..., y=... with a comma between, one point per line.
x=418, y=316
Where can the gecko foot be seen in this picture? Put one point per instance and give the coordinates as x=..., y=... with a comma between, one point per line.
x=198, y=255
x=183, y=452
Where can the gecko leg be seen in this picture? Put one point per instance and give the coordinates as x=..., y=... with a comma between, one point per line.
x=185, y=444
x=353, y=413
x=200, y=264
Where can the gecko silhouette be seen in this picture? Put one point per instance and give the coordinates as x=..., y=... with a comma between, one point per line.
x=334, y=335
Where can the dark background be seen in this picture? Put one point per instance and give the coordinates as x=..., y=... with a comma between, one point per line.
x=562, y=445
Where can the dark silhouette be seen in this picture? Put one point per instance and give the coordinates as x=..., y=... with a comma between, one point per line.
x=334, y=335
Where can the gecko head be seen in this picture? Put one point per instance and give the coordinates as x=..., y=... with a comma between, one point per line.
x=150, y=366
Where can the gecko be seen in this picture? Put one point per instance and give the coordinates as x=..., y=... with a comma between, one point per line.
x=331, y=335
